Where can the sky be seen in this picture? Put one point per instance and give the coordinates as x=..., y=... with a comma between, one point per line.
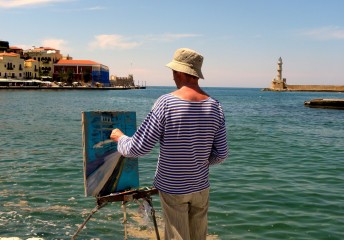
x=241, y=40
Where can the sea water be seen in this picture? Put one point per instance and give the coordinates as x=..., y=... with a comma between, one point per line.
x=284, y=178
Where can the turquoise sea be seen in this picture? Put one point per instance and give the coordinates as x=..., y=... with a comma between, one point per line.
x=284, y=178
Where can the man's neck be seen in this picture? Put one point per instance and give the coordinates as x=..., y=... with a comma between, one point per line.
x=191, y=92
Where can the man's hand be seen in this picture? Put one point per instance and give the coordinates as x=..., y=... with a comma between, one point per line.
x=116, y=134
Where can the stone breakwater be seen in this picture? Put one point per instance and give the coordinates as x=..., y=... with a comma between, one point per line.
x=336, y=103
x=309, y=88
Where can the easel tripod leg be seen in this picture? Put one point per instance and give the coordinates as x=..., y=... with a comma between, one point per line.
x=94, y=210
x=149, y=200
x=125, y=219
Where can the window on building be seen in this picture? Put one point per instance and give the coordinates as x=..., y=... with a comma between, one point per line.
x=9, y=66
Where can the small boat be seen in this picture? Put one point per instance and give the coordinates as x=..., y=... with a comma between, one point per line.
x=335, y=103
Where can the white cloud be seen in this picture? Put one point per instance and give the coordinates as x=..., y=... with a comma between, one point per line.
x=25, y=3
x=96, y=8
x=58, y=44
x=113, y=42
x=326, y=33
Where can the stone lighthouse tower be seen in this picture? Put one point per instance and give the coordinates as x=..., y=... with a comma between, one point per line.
x=279, y=83
x=279, y=69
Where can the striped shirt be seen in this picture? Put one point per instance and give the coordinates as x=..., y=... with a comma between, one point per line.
x=192, y=136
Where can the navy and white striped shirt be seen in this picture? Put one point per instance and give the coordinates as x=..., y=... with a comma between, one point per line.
x=192, y=136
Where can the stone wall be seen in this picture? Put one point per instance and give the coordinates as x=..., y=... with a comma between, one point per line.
x=317, y=88
x=122, y=81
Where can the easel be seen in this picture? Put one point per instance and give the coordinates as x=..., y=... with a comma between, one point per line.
x=107, y=174
x=125, y=197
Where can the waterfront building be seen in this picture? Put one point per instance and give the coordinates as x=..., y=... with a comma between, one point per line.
x=16, y=50
x=48, y=64
x=31, y=68
x=46, y=58
x=11, y=66
x=82, y=71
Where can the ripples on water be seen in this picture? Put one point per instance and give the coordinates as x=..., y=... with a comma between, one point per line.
x=284, y=178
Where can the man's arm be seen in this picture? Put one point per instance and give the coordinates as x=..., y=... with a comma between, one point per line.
x=220, y=149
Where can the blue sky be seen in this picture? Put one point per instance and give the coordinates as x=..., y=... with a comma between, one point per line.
x=240, y=40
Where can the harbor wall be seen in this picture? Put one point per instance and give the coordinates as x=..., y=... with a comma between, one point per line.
x=306, y=88
x=319, y=88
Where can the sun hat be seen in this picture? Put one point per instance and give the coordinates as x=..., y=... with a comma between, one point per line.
x=187, y=61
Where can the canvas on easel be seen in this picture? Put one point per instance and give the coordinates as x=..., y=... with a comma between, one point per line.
x=105, y=170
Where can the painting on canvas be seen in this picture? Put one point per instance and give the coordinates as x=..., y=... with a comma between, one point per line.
x=105, y=170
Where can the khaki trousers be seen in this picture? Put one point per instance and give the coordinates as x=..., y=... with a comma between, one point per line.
x=186, y=216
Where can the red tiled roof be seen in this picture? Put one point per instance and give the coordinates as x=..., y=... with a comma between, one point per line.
x=9, y=54
x=39, y=49
x=31, y=60
x=15, y=48
x=48, y=48
x=76, y=62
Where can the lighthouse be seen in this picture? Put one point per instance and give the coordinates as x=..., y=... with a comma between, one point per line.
x=279, y=69
x=279, y=83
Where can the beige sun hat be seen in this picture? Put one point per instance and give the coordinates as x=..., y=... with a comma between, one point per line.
x=187, y=61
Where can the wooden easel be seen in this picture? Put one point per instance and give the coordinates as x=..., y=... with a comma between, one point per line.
x=125, y=197
x=106, y=173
